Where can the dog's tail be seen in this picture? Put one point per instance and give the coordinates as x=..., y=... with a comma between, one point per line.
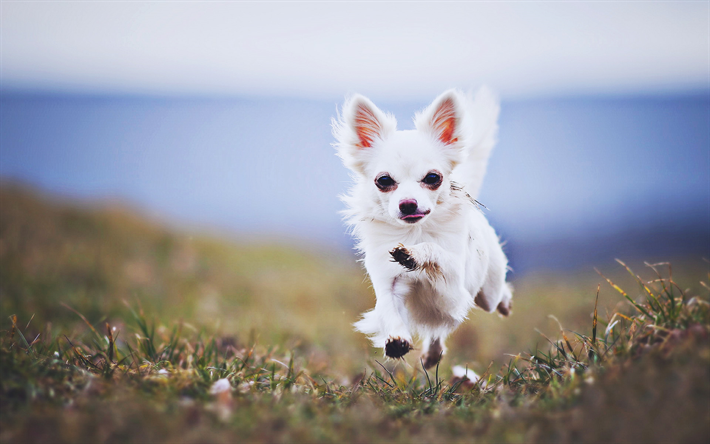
x=482, y=116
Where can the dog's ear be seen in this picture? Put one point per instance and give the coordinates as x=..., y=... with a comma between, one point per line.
x=444, y=120
x=365, y=123
x=360, y=126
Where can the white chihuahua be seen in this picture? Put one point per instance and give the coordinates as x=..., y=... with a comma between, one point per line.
x=428, y=248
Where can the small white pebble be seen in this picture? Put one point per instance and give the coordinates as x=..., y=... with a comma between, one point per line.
x=220, y=386
x=462, y=372
x=246, y=386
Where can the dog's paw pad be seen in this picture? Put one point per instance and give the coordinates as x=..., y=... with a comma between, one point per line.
x=397, y=347
x=401, y=255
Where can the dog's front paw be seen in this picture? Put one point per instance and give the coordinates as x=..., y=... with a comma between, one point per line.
x=401, y=255
x=397, y=347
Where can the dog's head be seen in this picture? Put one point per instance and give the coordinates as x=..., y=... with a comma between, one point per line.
x=406, y=172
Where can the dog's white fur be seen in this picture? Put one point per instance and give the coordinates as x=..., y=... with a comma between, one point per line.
x=457, y=254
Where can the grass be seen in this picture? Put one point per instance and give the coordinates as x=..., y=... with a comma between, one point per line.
x=103, y=350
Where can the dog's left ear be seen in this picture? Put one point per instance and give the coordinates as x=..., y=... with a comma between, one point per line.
x=444, y=120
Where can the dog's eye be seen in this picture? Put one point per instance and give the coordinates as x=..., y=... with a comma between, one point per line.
x=432, y=179
x=384, y=182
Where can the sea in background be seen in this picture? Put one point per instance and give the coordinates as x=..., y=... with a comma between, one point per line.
x=573, y=182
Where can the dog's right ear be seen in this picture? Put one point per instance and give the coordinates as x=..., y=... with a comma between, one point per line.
x=365, y=121
x=358, y=129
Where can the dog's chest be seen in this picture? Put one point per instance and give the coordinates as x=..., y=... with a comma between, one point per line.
x=386, y=237
x=425, y=305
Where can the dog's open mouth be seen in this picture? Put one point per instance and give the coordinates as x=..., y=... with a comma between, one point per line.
x=414, y=218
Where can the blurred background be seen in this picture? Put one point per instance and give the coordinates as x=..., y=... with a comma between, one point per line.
x=213, y=119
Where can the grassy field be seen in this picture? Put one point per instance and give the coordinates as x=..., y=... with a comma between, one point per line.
x=116, y=329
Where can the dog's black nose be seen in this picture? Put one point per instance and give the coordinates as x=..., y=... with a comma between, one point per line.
x=408, y=206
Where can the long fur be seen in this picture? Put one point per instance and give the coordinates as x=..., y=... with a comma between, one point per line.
x=430, y=265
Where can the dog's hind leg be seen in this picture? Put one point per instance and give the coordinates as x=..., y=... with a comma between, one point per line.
x=433, y=351
x=496, y=294
x=505, y=306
